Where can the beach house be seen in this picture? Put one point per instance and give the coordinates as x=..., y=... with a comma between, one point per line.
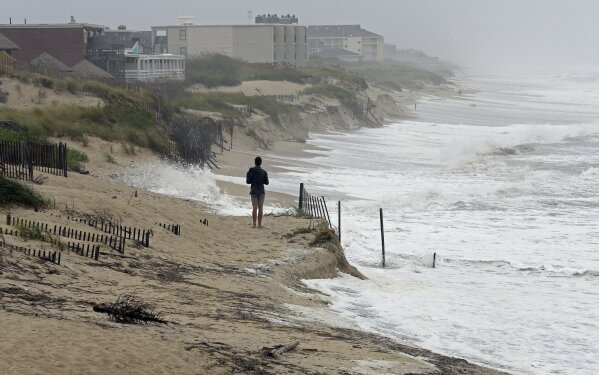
x=140, y=66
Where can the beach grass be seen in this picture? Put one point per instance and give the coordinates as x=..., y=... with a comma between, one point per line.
x=14, y=192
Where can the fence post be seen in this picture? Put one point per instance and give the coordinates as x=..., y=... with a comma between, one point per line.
x=301, y=197
x=339, y=219
x=434, y=259
x=326, y=210
x=64, y=159
x=30, y=164
x=382, y=236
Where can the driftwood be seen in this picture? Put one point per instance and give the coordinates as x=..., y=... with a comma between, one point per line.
x=279, y=350
x=131, y=310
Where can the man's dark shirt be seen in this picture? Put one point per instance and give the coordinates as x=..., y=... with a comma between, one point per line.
x=258, y=178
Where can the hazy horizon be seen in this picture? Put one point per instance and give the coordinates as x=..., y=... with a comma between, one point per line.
x=481, y=33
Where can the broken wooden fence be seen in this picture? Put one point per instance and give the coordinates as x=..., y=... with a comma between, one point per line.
x=175, y=228
x=114, y=242
x=313, y=205
x=50, y=256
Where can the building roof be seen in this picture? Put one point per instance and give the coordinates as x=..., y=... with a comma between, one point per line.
x=50, y=26
x=86, y=69
x=7, y=44
x=48, y=62
x=338, y=31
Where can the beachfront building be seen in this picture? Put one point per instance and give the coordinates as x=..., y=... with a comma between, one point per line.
x=64, y=42
x=140, y=66
x=258, y=43
x=353, y=38
x=107, y=50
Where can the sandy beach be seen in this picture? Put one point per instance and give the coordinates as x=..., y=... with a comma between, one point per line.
x=227, y=291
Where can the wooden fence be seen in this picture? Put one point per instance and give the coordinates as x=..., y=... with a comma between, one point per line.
x=285, y=98
x=19, y=159
x=114, y=242
x=140, y=235
x=50, y=256
x=313, y=205
x=175, y=228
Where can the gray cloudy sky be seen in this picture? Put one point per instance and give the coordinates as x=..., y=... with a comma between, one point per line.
x=473, y=32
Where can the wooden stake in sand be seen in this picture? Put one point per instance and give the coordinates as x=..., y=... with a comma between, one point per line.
x=382, y=236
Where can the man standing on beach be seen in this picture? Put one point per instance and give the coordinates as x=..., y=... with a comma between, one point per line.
x=257, y=177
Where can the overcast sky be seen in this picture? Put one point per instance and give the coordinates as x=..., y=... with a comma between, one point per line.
x=471, y=32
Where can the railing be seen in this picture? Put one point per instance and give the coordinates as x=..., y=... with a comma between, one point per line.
x=149, y=75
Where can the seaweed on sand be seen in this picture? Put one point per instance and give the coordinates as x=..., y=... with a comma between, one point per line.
x=130, y=310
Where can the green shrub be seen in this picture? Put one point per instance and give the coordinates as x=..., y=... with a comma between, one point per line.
x=324, y=236
x=330, y=91
x=44, y=82
x=68, y=84
x=13, y=192
x=221, y=102
x=109, y=159
x=111, y=122
x=128, y=148
x=75, y=159
x=213, y=70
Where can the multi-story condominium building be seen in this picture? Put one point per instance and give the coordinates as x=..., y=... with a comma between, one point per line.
x=323, y=38
x=259, y=43
x=65, y=42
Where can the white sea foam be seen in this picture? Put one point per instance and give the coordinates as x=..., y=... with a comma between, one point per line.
x=506, y=194
x=187, y=181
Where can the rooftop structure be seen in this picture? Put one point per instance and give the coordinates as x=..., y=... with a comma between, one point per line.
x=274, y=19
x=349, y=37
x=261, y=43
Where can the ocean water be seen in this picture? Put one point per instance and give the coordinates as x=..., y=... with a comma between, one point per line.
x=504, y=187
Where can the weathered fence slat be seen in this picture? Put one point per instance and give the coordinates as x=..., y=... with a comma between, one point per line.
x=18, y=159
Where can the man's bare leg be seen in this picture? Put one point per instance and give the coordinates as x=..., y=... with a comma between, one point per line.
x=260, y=212
x=260, y=217
x=254, y=214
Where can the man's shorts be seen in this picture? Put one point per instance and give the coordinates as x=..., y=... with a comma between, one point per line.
x=258, y=200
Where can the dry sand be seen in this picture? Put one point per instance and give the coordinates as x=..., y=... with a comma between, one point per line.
x=258, y=88
x=27, y=96
x=226, y=289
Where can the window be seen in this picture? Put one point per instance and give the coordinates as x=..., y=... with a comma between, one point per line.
x=183, y=51
x=182, y=34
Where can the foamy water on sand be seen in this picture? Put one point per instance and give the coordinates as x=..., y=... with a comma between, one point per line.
x=503, y=187
x=189, y=181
